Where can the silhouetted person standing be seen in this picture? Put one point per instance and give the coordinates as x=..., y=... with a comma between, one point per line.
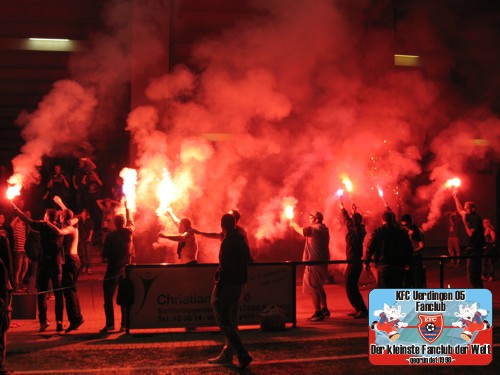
x=86, y=233
x=230, y=281
x=354, y=239
x=416, y=277
x=5, y=312
x=490, y=250
x=118, y=252
x=454, y=221
x=6, y=286
x=58, y=185
x=391, y=250
x=473, y=225
x=315, y=249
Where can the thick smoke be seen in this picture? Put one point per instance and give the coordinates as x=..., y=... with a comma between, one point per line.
x=77, y=114
x=60, y=125
x=296, y=97
x=303, y=94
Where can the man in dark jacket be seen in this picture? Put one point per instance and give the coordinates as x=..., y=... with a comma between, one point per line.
x=416, y=277
x=354, y=239
x=473, y=225
x=118, y=252
x=230, y=281
x=391, y=249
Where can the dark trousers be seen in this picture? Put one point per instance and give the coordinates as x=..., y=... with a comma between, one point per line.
x=390, y=277
x=352, y=274
x=49, y=271
x=33, y=271
x=415, y=277
x=489, y=262
x=474, y=267
x=83, y=253
x=5, y=319
x=111, y=281
x=225, y=302
x=70, y=271
x=418, y=272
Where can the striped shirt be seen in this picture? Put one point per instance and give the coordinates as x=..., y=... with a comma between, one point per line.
x=19, y=232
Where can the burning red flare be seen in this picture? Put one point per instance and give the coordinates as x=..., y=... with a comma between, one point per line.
x=453, y=182
x=289, y=212
x=347, y=183
x=340, y=192
x=15, y=185
x=381, y=195
x=165, y=193
x=129, y=176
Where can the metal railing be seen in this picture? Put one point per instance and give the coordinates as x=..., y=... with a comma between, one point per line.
x=442, y=259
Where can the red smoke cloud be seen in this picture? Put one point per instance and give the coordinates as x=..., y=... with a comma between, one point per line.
x=59, y=125
x=287, y=102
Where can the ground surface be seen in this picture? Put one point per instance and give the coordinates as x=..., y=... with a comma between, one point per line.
x=338, y=345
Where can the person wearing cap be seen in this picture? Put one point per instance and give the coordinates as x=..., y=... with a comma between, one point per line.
x=315, y=249
x=391, y=249
x=417, y=271
x=354, y=238
x=187, y=247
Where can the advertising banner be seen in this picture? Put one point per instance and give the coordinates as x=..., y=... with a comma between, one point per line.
x=179, y=295
x=430, y=327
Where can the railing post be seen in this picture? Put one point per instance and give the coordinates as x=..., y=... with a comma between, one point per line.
x=441, y=273
x=294, y=291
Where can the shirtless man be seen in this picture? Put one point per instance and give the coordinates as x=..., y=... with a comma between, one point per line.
x=71, y=267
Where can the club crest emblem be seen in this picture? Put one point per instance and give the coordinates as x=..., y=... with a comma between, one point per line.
x=430, y=327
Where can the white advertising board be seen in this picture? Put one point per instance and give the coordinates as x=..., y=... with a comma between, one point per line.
x=168, y=296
